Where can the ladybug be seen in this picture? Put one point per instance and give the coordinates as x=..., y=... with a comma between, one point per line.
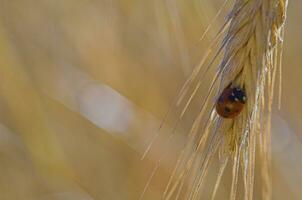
x=231, y=102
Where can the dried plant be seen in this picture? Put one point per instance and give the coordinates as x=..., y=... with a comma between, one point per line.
x=252, y=51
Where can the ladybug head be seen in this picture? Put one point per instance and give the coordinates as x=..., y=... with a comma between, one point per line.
x=238, y=94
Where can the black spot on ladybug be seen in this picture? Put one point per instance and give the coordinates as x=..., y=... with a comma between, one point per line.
x=231, y=102
x=227, y=109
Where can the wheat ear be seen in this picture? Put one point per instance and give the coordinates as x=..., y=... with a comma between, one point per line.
x=252, y=52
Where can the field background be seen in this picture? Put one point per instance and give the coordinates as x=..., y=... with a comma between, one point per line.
x=85, y=84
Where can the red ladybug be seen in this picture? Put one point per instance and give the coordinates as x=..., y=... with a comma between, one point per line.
x=231, y=102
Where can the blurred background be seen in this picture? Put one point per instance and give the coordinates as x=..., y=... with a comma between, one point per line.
x=85, y=85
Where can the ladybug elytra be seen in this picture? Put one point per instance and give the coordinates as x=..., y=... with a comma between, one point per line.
x=231, y=102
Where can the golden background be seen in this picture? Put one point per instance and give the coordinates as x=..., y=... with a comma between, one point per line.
x=84, y=85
